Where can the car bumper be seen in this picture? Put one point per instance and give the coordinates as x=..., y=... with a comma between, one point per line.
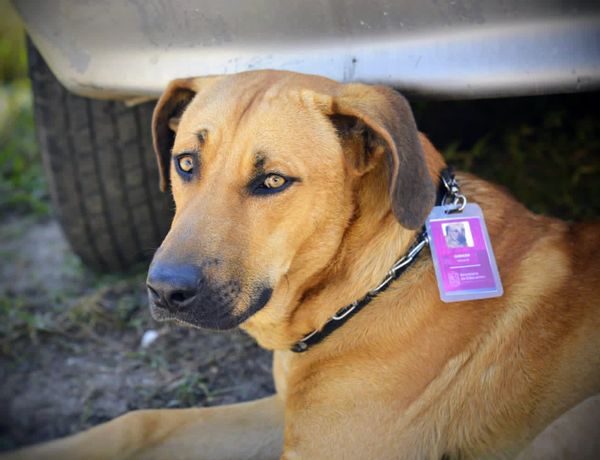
x=125, y=49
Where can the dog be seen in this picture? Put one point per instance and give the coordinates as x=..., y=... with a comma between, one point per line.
x=294, y=196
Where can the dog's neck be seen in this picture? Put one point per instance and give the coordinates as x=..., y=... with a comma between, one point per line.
x=371, y=245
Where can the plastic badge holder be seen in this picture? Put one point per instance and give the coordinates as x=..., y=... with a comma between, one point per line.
x=462, y=254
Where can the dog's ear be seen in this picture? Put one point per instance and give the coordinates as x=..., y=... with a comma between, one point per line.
x=165, y=119
x=386, y=123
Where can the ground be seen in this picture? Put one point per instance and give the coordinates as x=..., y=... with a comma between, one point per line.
x=70, y=345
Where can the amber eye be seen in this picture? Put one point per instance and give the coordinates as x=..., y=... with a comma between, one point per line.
x=270, y=184
x=274, y=181
x=186, y=163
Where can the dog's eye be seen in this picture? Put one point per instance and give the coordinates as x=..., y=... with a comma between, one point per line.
x=273, y=181
x=185, y=164
x=269, y=184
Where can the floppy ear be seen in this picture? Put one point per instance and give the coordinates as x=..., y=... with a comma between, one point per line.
x=165, y=119
x=390, y=124
x=169, y=108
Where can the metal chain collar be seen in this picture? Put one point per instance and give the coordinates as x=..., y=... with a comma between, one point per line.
x=397, y=269
x=450, y=191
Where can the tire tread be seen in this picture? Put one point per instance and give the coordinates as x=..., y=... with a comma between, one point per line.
x=101, y=171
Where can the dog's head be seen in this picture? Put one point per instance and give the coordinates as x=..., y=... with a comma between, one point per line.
x=264, y=168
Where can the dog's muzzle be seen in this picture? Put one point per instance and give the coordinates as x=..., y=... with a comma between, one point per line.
x=182, y=292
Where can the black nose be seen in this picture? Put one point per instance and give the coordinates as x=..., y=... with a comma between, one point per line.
x=172, y=286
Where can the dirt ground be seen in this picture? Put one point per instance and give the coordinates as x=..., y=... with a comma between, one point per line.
x=70, y=345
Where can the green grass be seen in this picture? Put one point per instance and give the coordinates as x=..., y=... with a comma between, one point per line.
x=553, y=168
x=85, y=313
x=13, y=61
x=544, y=150
x=23, y=187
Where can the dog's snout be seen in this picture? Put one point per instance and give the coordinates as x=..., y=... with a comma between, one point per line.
x=172, y=286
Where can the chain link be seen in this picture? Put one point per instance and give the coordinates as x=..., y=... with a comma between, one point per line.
x=453, y=197
x=391, y=275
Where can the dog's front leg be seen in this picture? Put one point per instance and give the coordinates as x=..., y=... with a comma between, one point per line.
x=252, y=430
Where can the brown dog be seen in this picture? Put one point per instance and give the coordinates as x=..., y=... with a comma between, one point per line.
x=295, y=195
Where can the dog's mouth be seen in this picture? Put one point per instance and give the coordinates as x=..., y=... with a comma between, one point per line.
x=209, y=313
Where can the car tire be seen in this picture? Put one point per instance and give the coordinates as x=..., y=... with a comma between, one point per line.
x=101, y=171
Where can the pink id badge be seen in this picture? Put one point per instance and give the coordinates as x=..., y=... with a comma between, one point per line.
x=462, y=254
